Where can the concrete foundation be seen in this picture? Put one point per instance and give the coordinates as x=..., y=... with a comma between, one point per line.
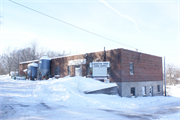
x=124, y=88
x=109, y=91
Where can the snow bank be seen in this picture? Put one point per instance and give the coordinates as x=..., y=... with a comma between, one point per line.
x=5, y=77
x=68, y=91
x=175, y=116
x=173, y=91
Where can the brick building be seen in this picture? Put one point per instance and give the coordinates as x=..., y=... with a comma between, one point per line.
x=135, y=73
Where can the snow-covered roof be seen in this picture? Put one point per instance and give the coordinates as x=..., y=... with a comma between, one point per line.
x=82, y=53
x=29, y=61
x=100, y=51
x=45, y=57
x=33, y=64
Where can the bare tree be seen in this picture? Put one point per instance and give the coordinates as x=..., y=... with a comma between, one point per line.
x=7, y=59
x=25, y=54
x=2, y=67
x=33, y=45
x=16, y=60
x=52, y=54
x=177, y=76
x=12, y=57
x=172, y=73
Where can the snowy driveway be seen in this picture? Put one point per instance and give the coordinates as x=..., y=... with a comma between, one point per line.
x=17, y=102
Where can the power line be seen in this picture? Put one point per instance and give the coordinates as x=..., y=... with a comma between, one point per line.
x=70, y=24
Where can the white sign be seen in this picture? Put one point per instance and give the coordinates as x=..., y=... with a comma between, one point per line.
x=99, y=71
x=77, y=62
x=99, y=64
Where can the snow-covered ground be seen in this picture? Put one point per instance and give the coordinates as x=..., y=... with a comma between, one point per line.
x=64, y=99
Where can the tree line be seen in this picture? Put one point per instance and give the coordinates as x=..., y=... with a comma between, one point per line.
x=172, y=74
x=11, y=57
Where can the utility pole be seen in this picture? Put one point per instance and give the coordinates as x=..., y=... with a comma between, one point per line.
x=19, y=60
x=165, y=75
x=104, y=56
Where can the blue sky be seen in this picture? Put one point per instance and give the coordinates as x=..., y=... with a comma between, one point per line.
x=151, y=26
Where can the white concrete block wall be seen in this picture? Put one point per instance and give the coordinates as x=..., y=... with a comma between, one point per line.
x=124, y=88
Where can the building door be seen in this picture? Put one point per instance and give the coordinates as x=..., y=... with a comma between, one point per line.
x=133, y=91
x=144, y=91
x=78, y=71
x=151, y=90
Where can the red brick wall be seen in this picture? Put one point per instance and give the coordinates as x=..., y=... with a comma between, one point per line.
x=146, y=67
x=21, y=68
x=63, y=64
x=114, y=56
x=24, y=66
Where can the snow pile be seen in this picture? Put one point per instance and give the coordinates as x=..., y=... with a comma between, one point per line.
x=5, y=77
x=173, y=91
x=51, y=99
x=68, y=91
x=175, y=116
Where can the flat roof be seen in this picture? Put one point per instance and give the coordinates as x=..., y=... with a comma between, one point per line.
x=83, y=54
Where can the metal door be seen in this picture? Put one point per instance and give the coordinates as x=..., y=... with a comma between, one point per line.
x=77, y=71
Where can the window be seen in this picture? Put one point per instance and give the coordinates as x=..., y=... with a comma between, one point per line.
x=69, y=70
x=144, y=90
x=133, y=91
x=88, y=70
x=57, y=70
x=131, y=68
x=158, y=88
x=109, y=71
x=151, y=90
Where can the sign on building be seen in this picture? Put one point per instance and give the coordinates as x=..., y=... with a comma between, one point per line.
x=77, y=62
x=99, y=68
x=99, y=64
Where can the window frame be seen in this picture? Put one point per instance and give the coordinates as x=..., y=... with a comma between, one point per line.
x=131, y=68
x=158, y=88
x=144, y=87
x=57, y=71
x=134, y=93
x=109, y=71
x=69, y=70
